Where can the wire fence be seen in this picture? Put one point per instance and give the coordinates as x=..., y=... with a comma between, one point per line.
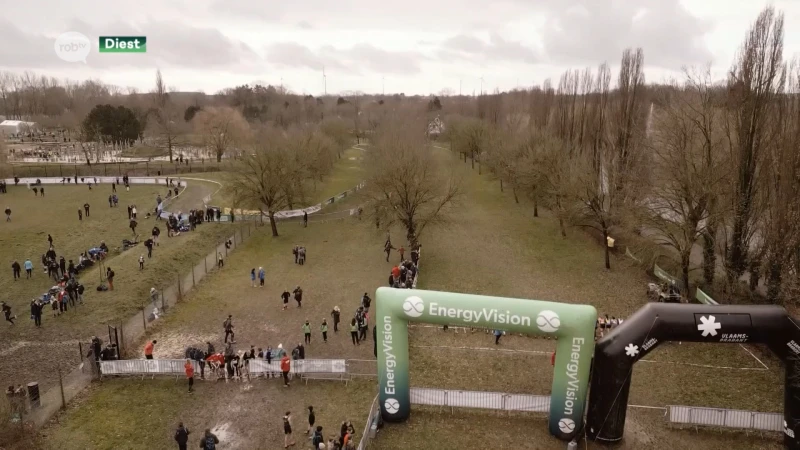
x=133, y=169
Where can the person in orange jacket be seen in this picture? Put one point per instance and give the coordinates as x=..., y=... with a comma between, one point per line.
x=189, y=373
x=285, y=367
x=148, y=349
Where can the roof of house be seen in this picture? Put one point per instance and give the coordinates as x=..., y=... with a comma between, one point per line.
x=14, y=123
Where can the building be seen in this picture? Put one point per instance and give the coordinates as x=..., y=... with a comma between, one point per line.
x=16, y=127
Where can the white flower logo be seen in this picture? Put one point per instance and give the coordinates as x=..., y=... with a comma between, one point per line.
x=632, y=350
x=709, y=326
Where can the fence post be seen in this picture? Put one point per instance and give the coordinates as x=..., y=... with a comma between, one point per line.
x=144, y=321
x=205, y=263
x=194, y=283
x=180, y=293
x=61, y=387
x=80, y=350
x=121, y=348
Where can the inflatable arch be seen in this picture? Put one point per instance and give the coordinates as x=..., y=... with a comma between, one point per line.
x=573, y=325
x=655, y=323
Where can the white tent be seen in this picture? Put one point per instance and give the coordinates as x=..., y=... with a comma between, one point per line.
x=15, y=127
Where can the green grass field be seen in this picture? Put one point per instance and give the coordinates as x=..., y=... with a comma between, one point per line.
x=27, y=348
x=490, y=246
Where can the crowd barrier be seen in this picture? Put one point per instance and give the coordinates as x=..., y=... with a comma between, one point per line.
x=484, y=400
x=725, y=418
x=256, y=366
x=145, y=367
x=371, y=426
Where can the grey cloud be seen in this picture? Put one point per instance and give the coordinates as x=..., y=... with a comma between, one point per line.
x=472, y=48
x=367, y=14
x=290, y=54
x=579, y=31
x=169, y=44
x=353, y=59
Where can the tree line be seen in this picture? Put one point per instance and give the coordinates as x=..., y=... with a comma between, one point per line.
x=687, y=164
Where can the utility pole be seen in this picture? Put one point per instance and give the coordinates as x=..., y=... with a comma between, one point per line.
x=481, y=86
x=324, y=81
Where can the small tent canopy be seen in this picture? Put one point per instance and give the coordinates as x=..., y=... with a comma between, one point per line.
x=15, y=127
x=435, y=127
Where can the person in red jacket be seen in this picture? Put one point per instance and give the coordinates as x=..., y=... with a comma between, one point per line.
x=148, y=349
x=285, y=367
x=553, y=359
x=189, y=373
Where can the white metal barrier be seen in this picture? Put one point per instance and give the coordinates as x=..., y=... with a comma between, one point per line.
x=477, y=399
x=727, y=418
x=256, y=366
x=299, y=366
x=145, y=367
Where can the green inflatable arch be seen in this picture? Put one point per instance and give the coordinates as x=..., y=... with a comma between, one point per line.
x=573, y=325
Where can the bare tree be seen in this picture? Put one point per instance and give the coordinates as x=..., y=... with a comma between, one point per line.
x=406, y=183
x=165, y=115
x=753, y=85
x=779, y=223
x=265, y=174
x=688, y=173
x=221, y=128
x=604, y=184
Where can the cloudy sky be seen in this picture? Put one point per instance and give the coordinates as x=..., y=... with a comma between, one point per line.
x=410, y=46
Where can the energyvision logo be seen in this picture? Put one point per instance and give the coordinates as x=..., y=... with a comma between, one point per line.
x=391, y=364
x=573, y=382
x=414, y=307
x=566, y=425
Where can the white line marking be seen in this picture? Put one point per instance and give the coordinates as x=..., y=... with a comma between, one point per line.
x=754, y=356
x=705, y=366
x=539, y=352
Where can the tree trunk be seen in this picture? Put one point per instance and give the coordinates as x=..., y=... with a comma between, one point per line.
x=480, y=167
x=501, y=185
x=774, y=281
x=535, y=207
x=709, y=255
x=561, y=226
x=514, y=189
x=169, y=147
x=273, y=224
x=685, y=260
x=472, y=159
x=219, y=155
x=755, y=274
x=605, y=246
x=411, y=234
x=737, y=256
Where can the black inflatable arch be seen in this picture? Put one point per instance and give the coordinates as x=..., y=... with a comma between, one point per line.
x=616, y=353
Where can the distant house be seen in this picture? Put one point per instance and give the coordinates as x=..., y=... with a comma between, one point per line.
x=16, y=127
x=435, y=128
